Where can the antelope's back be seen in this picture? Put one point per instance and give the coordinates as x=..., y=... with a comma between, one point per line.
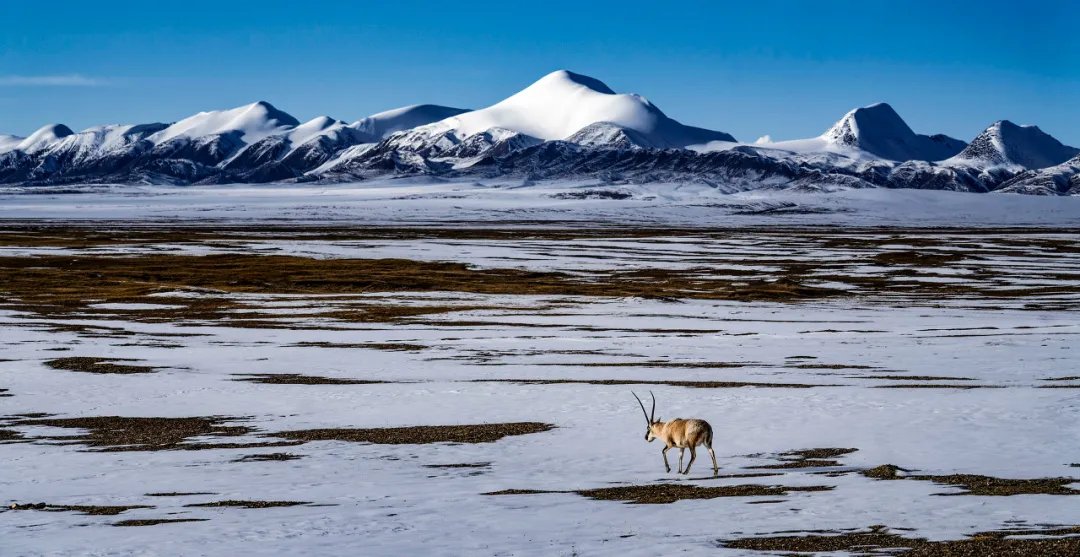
x=691, y=432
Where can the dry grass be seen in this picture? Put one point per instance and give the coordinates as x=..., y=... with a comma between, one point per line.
x=659, y=494
x=806, y=458
x=419, y=435
x=97, y=365
x=118, y=433
x=268, y=457
x=250, y=504
x=156, y=521
x=973, y=484
x=297, y=379
x=877, y=540
x=690, y=384
x=96, y=510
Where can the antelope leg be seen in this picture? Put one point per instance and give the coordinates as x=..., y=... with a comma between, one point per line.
x=693, y=455
x=681, y=451
x=664, y=452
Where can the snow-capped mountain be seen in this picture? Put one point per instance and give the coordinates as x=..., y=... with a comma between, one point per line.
x=1009, y=145
x=874, y=131
x=562, y=104
x=565, y=126
x=379, y=126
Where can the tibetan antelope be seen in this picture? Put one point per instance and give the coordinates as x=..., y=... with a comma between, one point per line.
x=684, y=434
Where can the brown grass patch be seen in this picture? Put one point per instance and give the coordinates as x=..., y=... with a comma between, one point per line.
x=264, y=457
x=936, y=386
x=179, y=493
x=691, y=384
x=97, y=365
x=460, y=465
x=96, y=510
x=420, y=435
x=660, y=494
x=297, y=379
x=974, y=484
x=118, y=433
x=806, y=458
x=250, y=504
x=156, y=521
x=911, y=377
x=391, y=346
x=878, y=540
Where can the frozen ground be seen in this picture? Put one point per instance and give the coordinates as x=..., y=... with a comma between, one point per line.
x=961, y=359
x=416, y=201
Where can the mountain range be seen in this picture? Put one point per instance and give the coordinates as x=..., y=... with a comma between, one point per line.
x=565, y=126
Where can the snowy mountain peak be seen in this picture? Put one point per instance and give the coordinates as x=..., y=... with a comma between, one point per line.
x=562, y=103
x=879, y=130
x=1007, y=144
x=380, y=125
x=43, y=137
x=253, y=122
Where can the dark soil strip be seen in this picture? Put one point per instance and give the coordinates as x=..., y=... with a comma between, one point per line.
x=973, y=484
x=97, y=365
x=156, y=521
x=879, y=538
x=268, y=457
x=660, y=494
x=179, y=493
x=691, y=384
x=4, y=392
x=937, y=386
x=297, y=379
x=391, y=346
x=419, y=435
x=460, y=465
x=117, y=433
x=250, y=504
x=84, y=509
x=807, y=458
x=9, y=436
x=911, y=377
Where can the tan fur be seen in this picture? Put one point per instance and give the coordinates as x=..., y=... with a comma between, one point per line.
x=683, y=434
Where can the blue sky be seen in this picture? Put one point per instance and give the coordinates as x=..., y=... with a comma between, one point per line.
x=784, y=68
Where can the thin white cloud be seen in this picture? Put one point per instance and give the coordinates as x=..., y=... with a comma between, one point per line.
x=67, y=80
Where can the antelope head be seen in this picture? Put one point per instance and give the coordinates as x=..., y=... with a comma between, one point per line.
x=652, y=425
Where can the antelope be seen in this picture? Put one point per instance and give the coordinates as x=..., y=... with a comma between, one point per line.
x=684, y=434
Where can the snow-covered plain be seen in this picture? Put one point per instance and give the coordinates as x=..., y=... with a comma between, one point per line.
x=384, y=499
x=449, y=203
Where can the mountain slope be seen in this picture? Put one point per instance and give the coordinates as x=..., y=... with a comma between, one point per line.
x=879, y=130
x=1007, y=144
x=563, y=103
x=379, y=126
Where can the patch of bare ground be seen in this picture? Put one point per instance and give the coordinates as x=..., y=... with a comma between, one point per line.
x=106, y=510
x=298, y=379
x=121, y=433
x=64, y=284
x=806, y=458
x=97, y=365
x=973, y=484
x=1065, y=378
x=419, y=435
x=911, y=377
x=391, y=346
x=179, y=493
x=648, y=363
x=460, y=465
x=660, y=494
x=5, y=393
x=828, y=366
x=156, y=521
x=250, y=504
x=936, y=386
x=268, y=457
x=690, y=384
x=9, y=436
x=878, y=540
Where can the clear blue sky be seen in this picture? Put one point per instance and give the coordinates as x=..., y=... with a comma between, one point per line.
x=788, y=69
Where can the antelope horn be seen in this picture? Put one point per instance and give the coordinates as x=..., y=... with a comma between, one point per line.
x=652, y=415
x=642, y=405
